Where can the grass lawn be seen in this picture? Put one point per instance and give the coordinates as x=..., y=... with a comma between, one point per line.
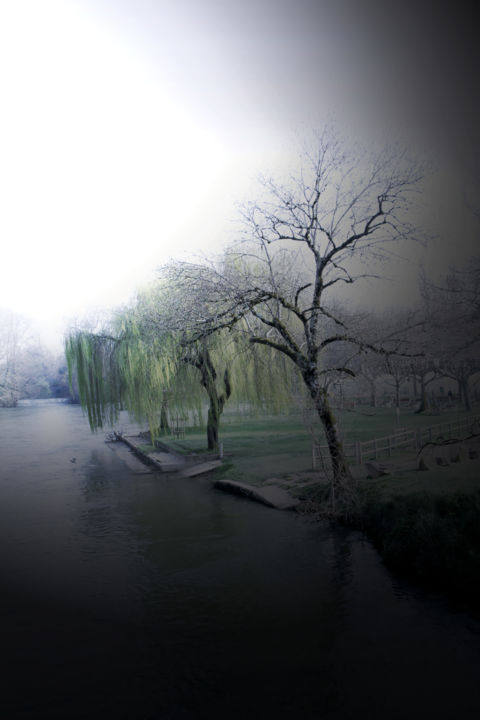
x=461, y=477
x=369, y=423
x=260, y=448
x=255, y=449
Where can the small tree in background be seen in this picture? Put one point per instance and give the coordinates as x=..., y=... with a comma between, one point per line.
x=452, y=311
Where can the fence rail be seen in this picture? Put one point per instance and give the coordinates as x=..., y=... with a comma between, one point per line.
x=359, y=451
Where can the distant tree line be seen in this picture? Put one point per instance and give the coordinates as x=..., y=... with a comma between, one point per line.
x=442, y=338
x=27, y=369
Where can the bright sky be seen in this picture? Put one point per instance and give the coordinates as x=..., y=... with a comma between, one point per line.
x=130, y=127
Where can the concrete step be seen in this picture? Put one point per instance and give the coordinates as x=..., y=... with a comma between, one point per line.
x=200, y=468
x=272, y=496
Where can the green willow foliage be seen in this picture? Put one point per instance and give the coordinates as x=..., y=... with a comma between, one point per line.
x=141, y=367
x=95, y=361
x=121, y=371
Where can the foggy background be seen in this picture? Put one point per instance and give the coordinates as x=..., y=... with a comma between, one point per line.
x=130, y=129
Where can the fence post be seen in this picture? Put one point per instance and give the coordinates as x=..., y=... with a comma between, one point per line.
x=358, y=453
x=314, y=458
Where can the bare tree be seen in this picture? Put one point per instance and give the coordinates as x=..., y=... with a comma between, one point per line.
x=14, y=340
x=452, y=309
x=302, y=242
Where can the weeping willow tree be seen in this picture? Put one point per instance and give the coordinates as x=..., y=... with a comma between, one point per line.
x=224, y=364
x=144, y=366
x=119, y=370
x=96, y=361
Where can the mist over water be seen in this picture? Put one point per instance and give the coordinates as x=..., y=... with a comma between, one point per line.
x=140, y=595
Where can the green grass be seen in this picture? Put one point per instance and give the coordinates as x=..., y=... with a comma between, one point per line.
x=459, y=477
x=426, y=526
x=429, y=534
x=256, y=448
x=264, y=447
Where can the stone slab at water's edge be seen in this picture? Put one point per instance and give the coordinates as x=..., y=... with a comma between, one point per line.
x=272, y=495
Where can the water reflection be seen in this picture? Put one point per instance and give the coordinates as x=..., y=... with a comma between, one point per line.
x=153, y=596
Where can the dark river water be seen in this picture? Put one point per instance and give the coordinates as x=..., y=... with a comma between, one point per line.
x=129, y=594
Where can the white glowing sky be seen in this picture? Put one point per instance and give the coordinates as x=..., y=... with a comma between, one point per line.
x=129, y=128
x=99, y=166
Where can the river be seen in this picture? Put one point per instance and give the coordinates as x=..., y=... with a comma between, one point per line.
x=135, y=595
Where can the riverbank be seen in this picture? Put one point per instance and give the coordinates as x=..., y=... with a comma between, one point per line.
x=424, y=523
x=426, y=526
x=163, y=458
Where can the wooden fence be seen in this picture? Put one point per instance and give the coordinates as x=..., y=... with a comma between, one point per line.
x=177, y=425
x=402, y=438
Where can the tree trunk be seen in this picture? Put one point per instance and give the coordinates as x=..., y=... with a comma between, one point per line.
x=424, y=405
x=164, y=424
x=415, y=391
x=340, y=470
x=213, y=423
x=339, y=465
x=464, y=393
x=397, y=393
x=214, y=411
x=217, y=401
